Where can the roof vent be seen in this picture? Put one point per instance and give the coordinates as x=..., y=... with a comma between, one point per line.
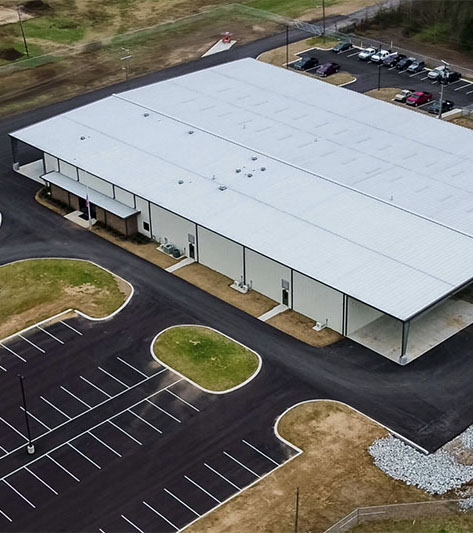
x=254, y=158
x=238, y=170
x=190, y=132
x=180, y=182
x=250, y=175
x=82, y=138
x=222, y=188
x=263, y=169
x=146, y=114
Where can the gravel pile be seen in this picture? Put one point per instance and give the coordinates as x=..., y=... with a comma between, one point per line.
x=466, y=438
x=466, y=504
x=436, y=473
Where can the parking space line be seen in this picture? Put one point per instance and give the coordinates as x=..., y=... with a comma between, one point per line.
x=3, y=449
x=50, y=334
x=416, y=74
x=145, y=421
x=76, y=397
x=423, y=105
x=54, y=407
x=101, y=530
x=41, y=481
x=131, y=523
x=222, y=476
x=202, y=489
x=260, y=452
x=241, y=464
x=469, y=92
x=125, y=432
x=104, y=443
x=12, y=427
x=184, y=401
x=113, y=377
x=14, y=353
x=35, y=418
x=62, y=467
x=181, y=502
x=6, y=516
x=462, y=87
x=3, y=368
x=19, y=494
x=84, y=456
x=132, y=367
x=164, y=411
x=424, y=78
x=95, y=386
x=32, y=344
x=354, y=54
x=160, y=515
x=70, y=327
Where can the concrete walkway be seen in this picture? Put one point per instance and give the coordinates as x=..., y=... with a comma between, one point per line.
x=273, y=312
x=219, y=46
x=183, y=263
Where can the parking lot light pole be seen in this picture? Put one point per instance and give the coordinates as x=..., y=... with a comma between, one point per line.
x=442, y=83
x=30, y=447
x=20, y=20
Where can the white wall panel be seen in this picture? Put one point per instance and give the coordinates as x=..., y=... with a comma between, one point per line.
x=68, y=170
x=95, y=183
x=220, y=254
x=143, y=216
x=265, y=275
x=317, y=301
x=124, y=197
x=360, y=314
x=170, y=227
x=51, y=163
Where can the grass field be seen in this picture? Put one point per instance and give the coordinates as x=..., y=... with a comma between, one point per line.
x=33, y=290
x=206, y=357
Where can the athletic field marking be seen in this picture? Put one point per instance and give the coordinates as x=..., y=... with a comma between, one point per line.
x=164, y=411
x=131, y=523
x=222, y=476
x=32, y=344
x=14, y=353
x=105, y=444
x=7, y=517
x=76, y=397
x=241, y=464
x=62, y=467
x=14, y=428
x=41, y=480
x=50, y=334
x=113, y=377
x=95, y=386
x=19, y=494
x=36, y=418
x=54, y=407
x=184, y=401
x=84, y=456
x=70, y=327
x=181, y=502
x=132, y=367
x=125, y=432
x=160, y=515
x=202, y=489
x=145, y=421
x=260, y=452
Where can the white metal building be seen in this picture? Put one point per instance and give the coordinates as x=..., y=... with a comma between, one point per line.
x=353, y=212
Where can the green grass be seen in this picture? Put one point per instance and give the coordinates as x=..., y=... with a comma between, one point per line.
x=56, y=29
x=288, y=8
x=461, y=523
x=206, y=357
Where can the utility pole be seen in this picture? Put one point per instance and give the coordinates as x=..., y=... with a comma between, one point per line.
x=30, y=448
x=296, y=521
x=20, y=20
x=442, y=83
x=287, y=46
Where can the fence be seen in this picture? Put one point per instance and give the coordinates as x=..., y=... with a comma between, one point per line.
x=398, y=511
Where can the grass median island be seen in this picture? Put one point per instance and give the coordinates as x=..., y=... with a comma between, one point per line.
x=36, y=289
x=206, y=357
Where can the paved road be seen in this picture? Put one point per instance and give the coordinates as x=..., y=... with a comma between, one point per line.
x=427, y=401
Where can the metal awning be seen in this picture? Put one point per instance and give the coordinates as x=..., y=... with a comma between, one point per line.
x=101, y=200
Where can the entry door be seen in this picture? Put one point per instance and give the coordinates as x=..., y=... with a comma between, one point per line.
x=191, y=251
x=285, y=297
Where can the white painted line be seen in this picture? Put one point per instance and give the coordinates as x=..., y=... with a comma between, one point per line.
x=458, y=81
x=35, y=418
x=424, y=78
x=101, y=530
x=3, y=449
x=6, y=516
x=181, y=502
x=469, y=92
x=41, y=480
x=125, y=432
x=462, y=87
x=145, y=421
x=95, y=386
x=105, y=444
x=50, y=334
x=54, y=407
x=19, y=494
x=184, y=401
x=241, y=464
x=202, y=489
x=222, y=476
x=113, y=377
x=62, y=467
x=84, y=456
x=132, y=367
x=14, y=353
x=76, y=397
x=3, y=368
x=164, y=411
x=354, y=54
x=416, y=74
x=160, y=515
x=12, y=427
x=262, y=453
x=131, y=523
x=70, y=327
x=32, y=344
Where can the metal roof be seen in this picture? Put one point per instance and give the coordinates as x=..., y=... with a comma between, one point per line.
x=271, y=159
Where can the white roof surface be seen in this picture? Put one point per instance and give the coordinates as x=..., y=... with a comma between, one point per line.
x=317, y=144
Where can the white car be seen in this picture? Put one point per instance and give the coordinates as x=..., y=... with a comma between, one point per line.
x=366, y=54
x=380, y=56
x=435, y=73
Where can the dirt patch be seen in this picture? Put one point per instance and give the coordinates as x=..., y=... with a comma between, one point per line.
x=465, y=122
x=9, y=15
x=300, y=327
x=10, y=54
x=217, y=284
x=335, y=475
x=36, y=7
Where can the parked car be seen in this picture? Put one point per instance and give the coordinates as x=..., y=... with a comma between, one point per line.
x=342, y=46
x=419, y=98
x=434, y=107
x=403, y=95
x=366, y=54
x=393, y=59
x=436, y=72
x=327, y=69
x=405, y=63
x=305, y=63
x=417, y=66
x=380, y=56
x=449, y=76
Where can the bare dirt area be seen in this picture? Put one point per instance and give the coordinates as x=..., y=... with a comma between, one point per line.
x=9, y=15
x=344, y=7
x=335, y=475
x=300, y=327
x=465, y=122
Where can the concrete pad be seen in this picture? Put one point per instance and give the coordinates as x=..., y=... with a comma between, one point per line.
x=76, y=218
x=183, y=263
x=273, y=312
x=219, y=46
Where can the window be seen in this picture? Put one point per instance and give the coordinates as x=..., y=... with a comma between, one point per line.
x=146, y=226
x=285, y=284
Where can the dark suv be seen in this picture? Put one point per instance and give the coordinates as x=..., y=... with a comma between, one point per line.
x=306, y=63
